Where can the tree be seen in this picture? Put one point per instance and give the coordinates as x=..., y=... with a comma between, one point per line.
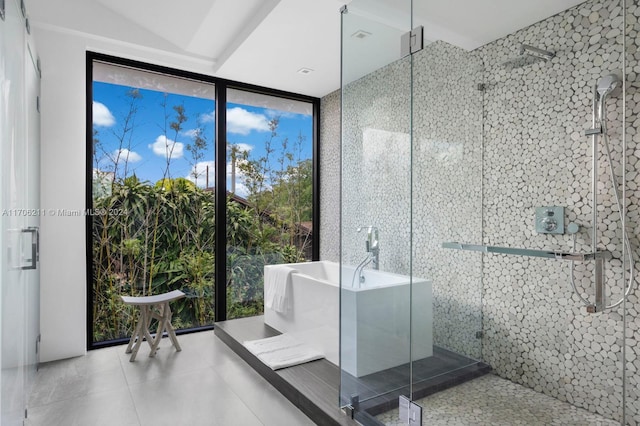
x=284, y=195
x=197, y=150
x=164, y=237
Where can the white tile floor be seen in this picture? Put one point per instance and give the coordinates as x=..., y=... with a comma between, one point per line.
x=205, y=384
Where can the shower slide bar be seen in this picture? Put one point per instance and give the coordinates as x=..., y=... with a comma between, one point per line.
x=547, y=254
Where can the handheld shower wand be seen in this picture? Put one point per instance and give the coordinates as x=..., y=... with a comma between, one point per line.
x=601, y=90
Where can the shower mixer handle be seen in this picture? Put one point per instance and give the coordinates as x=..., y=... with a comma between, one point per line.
x=549, y=224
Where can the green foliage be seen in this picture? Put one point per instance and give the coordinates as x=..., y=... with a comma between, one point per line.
x=160, y=236
x=125, y=264
x=280, y=191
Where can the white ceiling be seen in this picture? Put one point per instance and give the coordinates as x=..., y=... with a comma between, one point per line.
x=468, y=24
x=266, y=42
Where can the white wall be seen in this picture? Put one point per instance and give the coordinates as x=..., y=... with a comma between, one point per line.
x=63, y=242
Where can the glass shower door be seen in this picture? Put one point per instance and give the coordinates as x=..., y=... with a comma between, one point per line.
x=375, y=340
x=11, y=278
x=497, y=130
x=31, y=232
x=447, y=148
x=19, y=221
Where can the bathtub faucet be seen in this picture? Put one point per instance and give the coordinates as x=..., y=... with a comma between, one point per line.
x=372, y=245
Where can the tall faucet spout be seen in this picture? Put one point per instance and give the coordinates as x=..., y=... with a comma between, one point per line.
x=372, y=244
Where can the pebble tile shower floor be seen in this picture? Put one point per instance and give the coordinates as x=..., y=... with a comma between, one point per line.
x=491, y=400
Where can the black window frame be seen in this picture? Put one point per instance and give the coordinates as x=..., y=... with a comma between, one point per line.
x=221, y=88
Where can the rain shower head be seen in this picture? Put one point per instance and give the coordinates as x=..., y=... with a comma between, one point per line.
x=538, y=53
x=607, y=84
x=528, y=55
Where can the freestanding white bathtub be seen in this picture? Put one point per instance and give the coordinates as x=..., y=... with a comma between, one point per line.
x=375, y=316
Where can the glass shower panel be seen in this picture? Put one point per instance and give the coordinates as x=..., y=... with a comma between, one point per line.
x=519, y=143
x=538, y=153
x=376, y=207
x=19, y=222
x=503, y=129
x=631, y=191
x=447, y=206
x=32, y=201
x=12, y=279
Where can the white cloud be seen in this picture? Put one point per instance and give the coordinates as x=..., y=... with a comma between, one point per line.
x=273, y=113
x=241, y=190
x=124, y=155
x=242, y=122
x=165, y=147
x=209, y=117
x=244, y=146
x=200, y=171
x=102, y=116
x=192, y=133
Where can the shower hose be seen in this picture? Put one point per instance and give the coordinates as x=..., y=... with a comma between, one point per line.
x=625, y=234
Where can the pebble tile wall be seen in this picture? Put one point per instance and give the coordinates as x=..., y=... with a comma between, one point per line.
x=376, y=185
x=447, y=191
x=483, y=161
x=330, y=172
x=536, y=331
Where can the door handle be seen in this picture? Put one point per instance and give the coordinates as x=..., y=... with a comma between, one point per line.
x=35, y=247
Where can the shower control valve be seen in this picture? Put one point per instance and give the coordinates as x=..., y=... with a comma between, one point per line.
x=548, y=223
x=550, y=220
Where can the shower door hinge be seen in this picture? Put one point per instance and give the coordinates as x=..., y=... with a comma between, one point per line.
x=349, y=411
x=412, y=41
x=409, y=412
x=481, y=87
x=353, y=406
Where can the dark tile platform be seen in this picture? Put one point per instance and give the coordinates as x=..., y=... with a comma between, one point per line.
x=379, y=392
x=314, y=387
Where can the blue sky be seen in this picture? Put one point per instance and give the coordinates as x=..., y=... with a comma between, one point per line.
x=151, y=141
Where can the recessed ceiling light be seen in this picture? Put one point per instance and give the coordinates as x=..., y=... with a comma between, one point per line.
x=360, y=34
x=305, y=71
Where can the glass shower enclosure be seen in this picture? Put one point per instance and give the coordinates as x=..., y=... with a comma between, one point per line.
x=20, y=218
x=376, y=242
x=489, y=238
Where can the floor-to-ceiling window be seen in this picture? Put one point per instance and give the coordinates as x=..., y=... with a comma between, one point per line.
x=270, y=185
x=155, y=221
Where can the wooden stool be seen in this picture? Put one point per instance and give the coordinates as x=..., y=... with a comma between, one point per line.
x=151, y=307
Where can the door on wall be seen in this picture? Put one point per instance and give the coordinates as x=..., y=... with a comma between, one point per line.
x=31, y=232
x=19, y=204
